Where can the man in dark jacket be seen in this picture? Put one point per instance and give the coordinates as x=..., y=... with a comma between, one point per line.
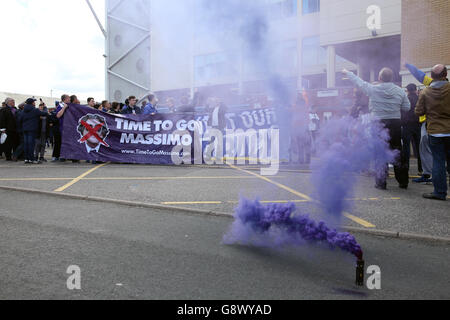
x=131, y=108
x=1, y=145
x=18, y=153
x=361, y=105
x=185, y=106
x=411, y=128
x=9, y=126
x=54, y=127
x=42, y=135
x=30, y=125
x=434, y=102
x=59, y=112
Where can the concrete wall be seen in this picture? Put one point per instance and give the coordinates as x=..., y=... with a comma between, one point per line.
x=346, y=20
x=339, y=21
x=128, y=48
x=172, y=45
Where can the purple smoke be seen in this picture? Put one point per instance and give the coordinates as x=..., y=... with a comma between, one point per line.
x=276, y=225
x=347, y=147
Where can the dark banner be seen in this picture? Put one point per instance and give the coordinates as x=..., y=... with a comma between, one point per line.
x=89, y=134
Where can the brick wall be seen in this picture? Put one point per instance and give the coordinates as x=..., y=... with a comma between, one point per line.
x=426, y=32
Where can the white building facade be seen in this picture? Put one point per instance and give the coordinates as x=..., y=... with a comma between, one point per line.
x=319, y=38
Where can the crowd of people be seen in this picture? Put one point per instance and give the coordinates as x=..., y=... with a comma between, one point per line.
x=29, y=129
x=421, y=120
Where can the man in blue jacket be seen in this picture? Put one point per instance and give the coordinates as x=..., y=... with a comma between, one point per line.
x=30, y=126
x=150, y=108
x=386, y=102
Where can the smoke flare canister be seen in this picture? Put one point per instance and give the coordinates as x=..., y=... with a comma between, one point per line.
x=360, y=273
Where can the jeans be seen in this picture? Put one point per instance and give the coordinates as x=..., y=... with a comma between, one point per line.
x=401, y=169
x=412, y=133
x=29, y=138
x=11, y=143
x=440, y=147
x=20, y=148
x=39, y=151
x=425, y=152
x=57, y=145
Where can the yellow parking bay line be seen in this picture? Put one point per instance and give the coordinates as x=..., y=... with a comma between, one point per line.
x=133, y=178
x=360, y=221
x=35, y=179
x=174, y=178
x=304, y=201
x=275, y=201
x=279, y=185
x=267, y=201
x=191, y=202
x=301, y=195
x=71, y=183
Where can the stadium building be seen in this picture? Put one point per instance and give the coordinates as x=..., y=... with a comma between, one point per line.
x=323, y=37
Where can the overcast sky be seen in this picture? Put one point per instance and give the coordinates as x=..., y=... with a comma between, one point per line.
x=51, y=45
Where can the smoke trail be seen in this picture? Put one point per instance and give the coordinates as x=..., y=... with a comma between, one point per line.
x=245, y=29
x=276, y=225
x=347, y=147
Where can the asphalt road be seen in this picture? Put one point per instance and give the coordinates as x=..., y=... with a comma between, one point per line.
x=219, y=189
x=132, y=253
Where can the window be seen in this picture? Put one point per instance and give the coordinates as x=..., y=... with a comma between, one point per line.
x=212, y=66
x=311, y=6
x=281, y=59
x=286, y=57
x=278, y=9
x=313, y=54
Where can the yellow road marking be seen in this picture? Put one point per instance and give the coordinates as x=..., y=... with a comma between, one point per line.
x=281, y=170
x=71, y=183
x=275, y=201
x=251, y=159
x=128, y=178
x=279, y=201
x=174, y=178
x=279, y=185
x=301, y=195
x=192, y=202
x=35, y=179
x=265, y=201
x=359, y=220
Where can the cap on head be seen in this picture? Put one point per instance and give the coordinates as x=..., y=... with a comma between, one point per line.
x=30, y=101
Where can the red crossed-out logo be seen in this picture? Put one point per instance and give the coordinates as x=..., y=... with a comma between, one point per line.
x=93, y=130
